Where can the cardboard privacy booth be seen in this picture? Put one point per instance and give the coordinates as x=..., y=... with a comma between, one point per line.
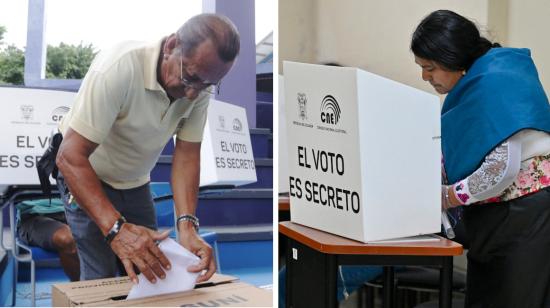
x=220, y=290
x=30, y=115
x=28, y=118
x=364, y=153
x=226, y=151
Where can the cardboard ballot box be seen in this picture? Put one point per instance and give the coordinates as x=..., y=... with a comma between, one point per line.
x=220, y=290
x=364, y=153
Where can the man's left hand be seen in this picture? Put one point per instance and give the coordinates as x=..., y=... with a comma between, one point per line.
x=194, y=243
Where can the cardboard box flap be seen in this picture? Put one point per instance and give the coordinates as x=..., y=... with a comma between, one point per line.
x=82, y=292
x=225, y=294
x=90, y=292
x=216, y=279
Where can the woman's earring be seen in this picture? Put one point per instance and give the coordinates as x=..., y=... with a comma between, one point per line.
x=463, y=72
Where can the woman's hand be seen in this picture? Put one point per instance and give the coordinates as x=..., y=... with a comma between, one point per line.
x=448, y=197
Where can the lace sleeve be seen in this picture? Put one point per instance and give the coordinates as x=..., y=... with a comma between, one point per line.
x=498, y=171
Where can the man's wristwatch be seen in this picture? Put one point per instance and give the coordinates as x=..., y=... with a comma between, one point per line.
x=188, y=217
x=115, y=229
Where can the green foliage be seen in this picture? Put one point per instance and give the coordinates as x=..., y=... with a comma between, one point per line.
x=62, y=62
x=69, y=61
x=12, y=61
x=2, y=31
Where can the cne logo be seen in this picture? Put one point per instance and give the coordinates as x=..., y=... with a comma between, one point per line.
x=237, y=125
x=58, y=113
x=330, y=110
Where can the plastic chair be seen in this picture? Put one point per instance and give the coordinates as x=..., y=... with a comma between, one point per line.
x=20, y=251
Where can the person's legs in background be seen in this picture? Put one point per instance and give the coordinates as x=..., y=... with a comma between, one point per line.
x=65, y=245
x=51, y=232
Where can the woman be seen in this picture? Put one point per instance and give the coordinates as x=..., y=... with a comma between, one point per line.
x=495, y=125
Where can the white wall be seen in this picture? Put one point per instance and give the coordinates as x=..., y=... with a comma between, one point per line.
x=529, y=26
x=297, y=33
x=369, y=34
x=375, y=35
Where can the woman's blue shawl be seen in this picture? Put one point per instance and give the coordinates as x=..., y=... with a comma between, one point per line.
x=500, y=95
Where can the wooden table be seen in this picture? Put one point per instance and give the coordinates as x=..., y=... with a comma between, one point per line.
x=284, y=203
x=313, y=258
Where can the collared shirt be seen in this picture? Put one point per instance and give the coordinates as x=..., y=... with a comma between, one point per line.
x=122, y=107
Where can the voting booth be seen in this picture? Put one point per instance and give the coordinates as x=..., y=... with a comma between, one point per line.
x=28, y=118
x=226, y=150
x=364, y=153
x=30, y=115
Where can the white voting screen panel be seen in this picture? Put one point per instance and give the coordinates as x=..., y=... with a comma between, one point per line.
x=363, y=153
x=28, y=118
x=226, y=152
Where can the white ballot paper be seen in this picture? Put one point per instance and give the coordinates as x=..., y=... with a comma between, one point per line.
x=178, y=279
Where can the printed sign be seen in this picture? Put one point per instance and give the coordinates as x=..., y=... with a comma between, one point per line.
x=362, y=159
x=226, y=151
x=28, y=118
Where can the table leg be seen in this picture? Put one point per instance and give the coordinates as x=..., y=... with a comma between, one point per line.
x=288, y=274
x=388, y=287
x=310, y=277
x=446, y=281
x=331, y=274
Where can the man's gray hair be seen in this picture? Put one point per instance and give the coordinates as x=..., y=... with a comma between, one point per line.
x=218, y=28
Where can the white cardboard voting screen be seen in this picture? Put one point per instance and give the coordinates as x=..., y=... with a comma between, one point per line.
x=28, y=118
x=364, y=153
x=30, y=115
x=226, y=151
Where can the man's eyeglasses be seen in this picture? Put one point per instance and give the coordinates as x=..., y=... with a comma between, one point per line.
x=198, y=84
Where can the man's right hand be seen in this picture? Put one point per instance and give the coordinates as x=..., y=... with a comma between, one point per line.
x=137, y=245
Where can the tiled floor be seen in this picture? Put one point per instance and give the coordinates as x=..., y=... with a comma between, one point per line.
x=45, y=278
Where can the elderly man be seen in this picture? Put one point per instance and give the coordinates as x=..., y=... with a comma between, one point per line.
x=134, y=98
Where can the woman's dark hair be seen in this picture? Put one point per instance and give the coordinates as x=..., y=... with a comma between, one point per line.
x=450, y=40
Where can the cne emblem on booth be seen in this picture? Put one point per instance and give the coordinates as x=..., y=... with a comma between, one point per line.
x=355, y=164
x=330, y=110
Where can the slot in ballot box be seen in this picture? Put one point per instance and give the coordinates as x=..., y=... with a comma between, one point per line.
x=364, y=153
